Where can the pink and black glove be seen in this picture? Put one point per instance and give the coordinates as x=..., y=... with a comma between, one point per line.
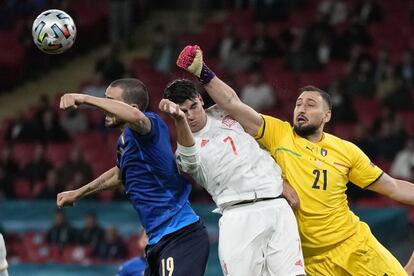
x=191, y=60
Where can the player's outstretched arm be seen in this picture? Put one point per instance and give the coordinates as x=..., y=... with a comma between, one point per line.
x=191, y=59
x=108, y=180
x=184, y=135
x=409, y=267
x=396, y=189
x=127, y=113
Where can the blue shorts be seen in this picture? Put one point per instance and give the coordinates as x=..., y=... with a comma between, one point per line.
x=181, y=253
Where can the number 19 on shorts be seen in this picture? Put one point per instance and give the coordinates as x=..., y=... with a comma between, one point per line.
x=167, y=266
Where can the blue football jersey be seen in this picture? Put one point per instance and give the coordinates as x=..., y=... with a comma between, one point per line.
x=158, y=192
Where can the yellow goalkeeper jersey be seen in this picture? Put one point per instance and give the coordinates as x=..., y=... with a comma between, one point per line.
x=319, y=172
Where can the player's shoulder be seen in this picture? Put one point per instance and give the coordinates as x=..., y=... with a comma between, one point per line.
x=215, y=111
x=340, y=143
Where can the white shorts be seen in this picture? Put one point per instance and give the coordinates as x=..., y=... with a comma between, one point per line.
x=260, y=238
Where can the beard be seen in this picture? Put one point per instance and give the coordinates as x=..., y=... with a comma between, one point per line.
x=305, y=131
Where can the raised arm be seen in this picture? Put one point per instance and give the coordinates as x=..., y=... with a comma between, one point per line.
x=191, y=59
x=409, y=267
x=396, y=189
x=188, y=158
x=108, y=180
x=184, y=136
x=125, y=112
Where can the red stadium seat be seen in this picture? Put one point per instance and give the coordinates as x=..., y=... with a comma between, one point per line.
x=23, y=153
x=22, y=189
x=58, y=153
x=408, y=119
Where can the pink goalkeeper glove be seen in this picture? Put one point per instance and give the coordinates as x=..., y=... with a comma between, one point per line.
x=191, y=60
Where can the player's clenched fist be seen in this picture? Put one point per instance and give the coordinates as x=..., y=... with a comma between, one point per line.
x=171, y=108
x=191, y=60
x=66, y=199
x=71, y=100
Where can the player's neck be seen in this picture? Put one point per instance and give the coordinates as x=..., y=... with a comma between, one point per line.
x=315, y=137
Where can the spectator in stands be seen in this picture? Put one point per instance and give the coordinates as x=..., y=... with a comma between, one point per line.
x=298, y=56
x=335, y=11
x=21, y=129
x=381, y=64
x=368, y=11
x=342, y=107
x=120, y=22
x=61, y=233
x=9, y=171
x=73, y=122
x=257, y=93
x=74, y=165
x=355, y=34
x=96, y=86
x=163, y=50
x=52, y=186
x=91, y=234
x=406, y=68
x=365, y=141
x=37, y=169
x=263, y=45
x=361, y=83
x=390, y=138
x=404, y=161
x=109, y=66
x=266, y=10
x=388, y=84
x=50, y=127
x=241, y=59
x=226, y=44
x=136, y=266
x=112, y=247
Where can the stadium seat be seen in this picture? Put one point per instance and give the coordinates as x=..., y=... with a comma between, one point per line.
x=22, y=189
x=23, y=153
x=408, y=119
x=57, y=153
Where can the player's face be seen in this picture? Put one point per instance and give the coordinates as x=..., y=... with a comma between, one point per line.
x=194, y=112
x=111, y=120
x=311, y=114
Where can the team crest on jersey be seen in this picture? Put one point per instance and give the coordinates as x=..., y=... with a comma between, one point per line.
x=204, y=142
x=324, y=152
x=228, y=121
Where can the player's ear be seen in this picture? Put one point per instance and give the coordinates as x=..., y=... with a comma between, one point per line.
x=135, y=106
x=327, y=116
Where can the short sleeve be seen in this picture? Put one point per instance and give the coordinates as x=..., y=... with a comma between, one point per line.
x=363, y=172
x=270, y=132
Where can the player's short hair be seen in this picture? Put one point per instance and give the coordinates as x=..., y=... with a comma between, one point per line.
x=325, y=96
x=180, y=90
x=134, y=91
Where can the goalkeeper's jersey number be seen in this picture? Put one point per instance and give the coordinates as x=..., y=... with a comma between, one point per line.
x=320, y=175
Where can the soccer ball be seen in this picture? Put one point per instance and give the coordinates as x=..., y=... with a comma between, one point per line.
x=54, y=31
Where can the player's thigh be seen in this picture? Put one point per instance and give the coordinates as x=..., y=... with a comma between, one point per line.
x=284, y=251
x=369, y=257
x=242, y=241
x=184, y=254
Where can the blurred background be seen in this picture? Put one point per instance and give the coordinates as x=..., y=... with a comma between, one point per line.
x=360, y=51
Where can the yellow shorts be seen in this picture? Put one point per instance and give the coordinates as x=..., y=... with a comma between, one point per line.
x=361, y=254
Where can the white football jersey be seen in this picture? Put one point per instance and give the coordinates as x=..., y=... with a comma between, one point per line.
x=229, y=163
